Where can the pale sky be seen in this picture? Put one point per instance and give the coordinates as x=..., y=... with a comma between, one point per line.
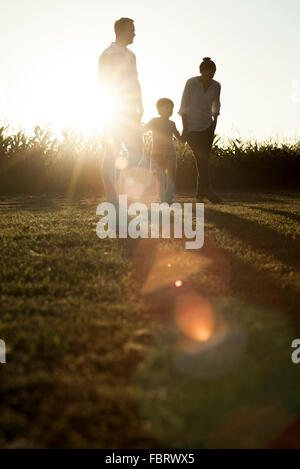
x=49, y=53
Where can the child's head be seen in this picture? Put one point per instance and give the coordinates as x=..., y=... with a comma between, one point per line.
x=165, y=107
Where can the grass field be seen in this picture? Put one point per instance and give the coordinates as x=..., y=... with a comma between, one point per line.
x=101, y=348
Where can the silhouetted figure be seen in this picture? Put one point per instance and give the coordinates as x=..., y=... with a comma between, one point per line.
x=163, y=152
x=119, y=80
x=200, y=107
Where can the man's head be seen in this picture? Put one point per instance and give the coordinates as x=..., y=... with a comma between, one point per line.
x=165, y=107
x=125, y=31
x=208, y=68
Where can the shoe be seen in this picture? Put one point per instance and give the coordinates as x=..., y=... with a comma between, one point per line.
x=213, y=197
x=199, y=198
x=169, y=200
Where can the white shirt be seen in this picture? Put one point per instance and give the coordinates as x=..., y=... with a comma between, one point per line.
x=198, y=105
x=117, y=70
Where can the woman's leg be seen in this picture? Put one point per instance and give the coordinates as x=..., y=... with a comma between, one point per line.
x=201, y=160
x=201, y=144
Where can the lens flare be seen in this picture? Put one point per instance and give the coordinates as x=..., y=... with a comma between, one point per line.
x=195, y=318
x=121, y=163
x=129, y=181
x=172, y=264
x=137, y=183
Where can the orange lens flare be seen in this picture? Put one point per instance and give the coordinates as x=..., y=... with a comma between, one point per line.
x=121, y=163
x=178, y=283
x=195, y=318
x=170, y=264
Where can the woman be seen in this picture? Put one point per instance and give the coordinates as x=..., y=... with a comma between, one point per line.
x=200, y=107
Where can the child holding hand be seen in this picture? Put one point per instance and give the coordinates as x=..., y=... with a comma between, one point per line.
x=163, y=156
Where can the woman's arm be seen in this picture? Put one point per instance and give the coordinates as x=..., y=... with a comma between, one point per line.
x=175, y=132
x=184, y=118
x=185, y=107
x=216, y=105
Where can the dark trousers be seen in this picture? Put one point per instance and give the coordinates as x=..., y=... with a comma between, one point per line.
x=201, y=144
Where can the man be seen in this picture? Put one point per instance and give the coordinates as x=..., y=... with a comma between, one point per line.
x=118, y=79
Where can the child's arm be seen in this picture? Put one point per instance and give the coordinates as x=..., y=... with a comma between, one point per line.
x=176, y=133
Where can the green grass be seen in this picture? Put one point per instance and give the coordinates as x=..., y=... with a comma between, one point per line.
x=95, y=357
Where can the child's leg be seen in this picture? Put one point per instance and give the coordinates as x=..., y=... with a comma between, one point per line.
x=156, y=169
x=171, y=190
x=162, y=183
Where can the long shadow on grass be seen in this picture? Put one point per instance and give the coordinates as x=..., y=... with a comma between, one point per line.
x=286, y=214
x=283, y=248
x=256, y=287
x=283, y=198
x=244, y=282
x=233, y=278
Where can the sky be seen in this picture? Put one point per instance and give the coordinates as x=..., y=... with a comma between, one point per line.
x=49, y=53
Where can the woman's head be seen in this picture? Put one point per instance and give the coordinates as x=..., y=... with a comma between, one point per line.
x=207, y=68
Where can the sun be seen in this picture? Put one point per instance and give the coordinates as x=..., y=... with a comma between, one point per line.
x=79, y=103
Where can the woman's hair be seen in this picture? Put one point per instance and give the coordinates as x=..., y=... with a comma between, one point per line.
x=207, y=64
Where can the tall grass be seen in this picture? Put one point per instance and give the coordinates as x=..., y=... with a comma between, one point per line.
x=238, y=164
x=41, y=162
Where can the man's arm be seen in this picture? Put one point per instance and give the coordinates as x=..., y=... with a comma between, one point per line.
x=140, y=102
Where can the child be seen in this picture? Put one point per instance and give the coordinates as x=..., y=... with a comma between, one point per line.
x=163, y=152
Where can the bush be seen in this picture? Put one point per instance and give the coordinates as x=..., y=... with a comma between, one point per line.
x=237, y=165
x=43, y=163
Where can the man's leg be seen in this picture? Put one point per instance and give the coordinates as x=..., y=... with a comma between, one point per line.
x=112, y=149
x=133, y=141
